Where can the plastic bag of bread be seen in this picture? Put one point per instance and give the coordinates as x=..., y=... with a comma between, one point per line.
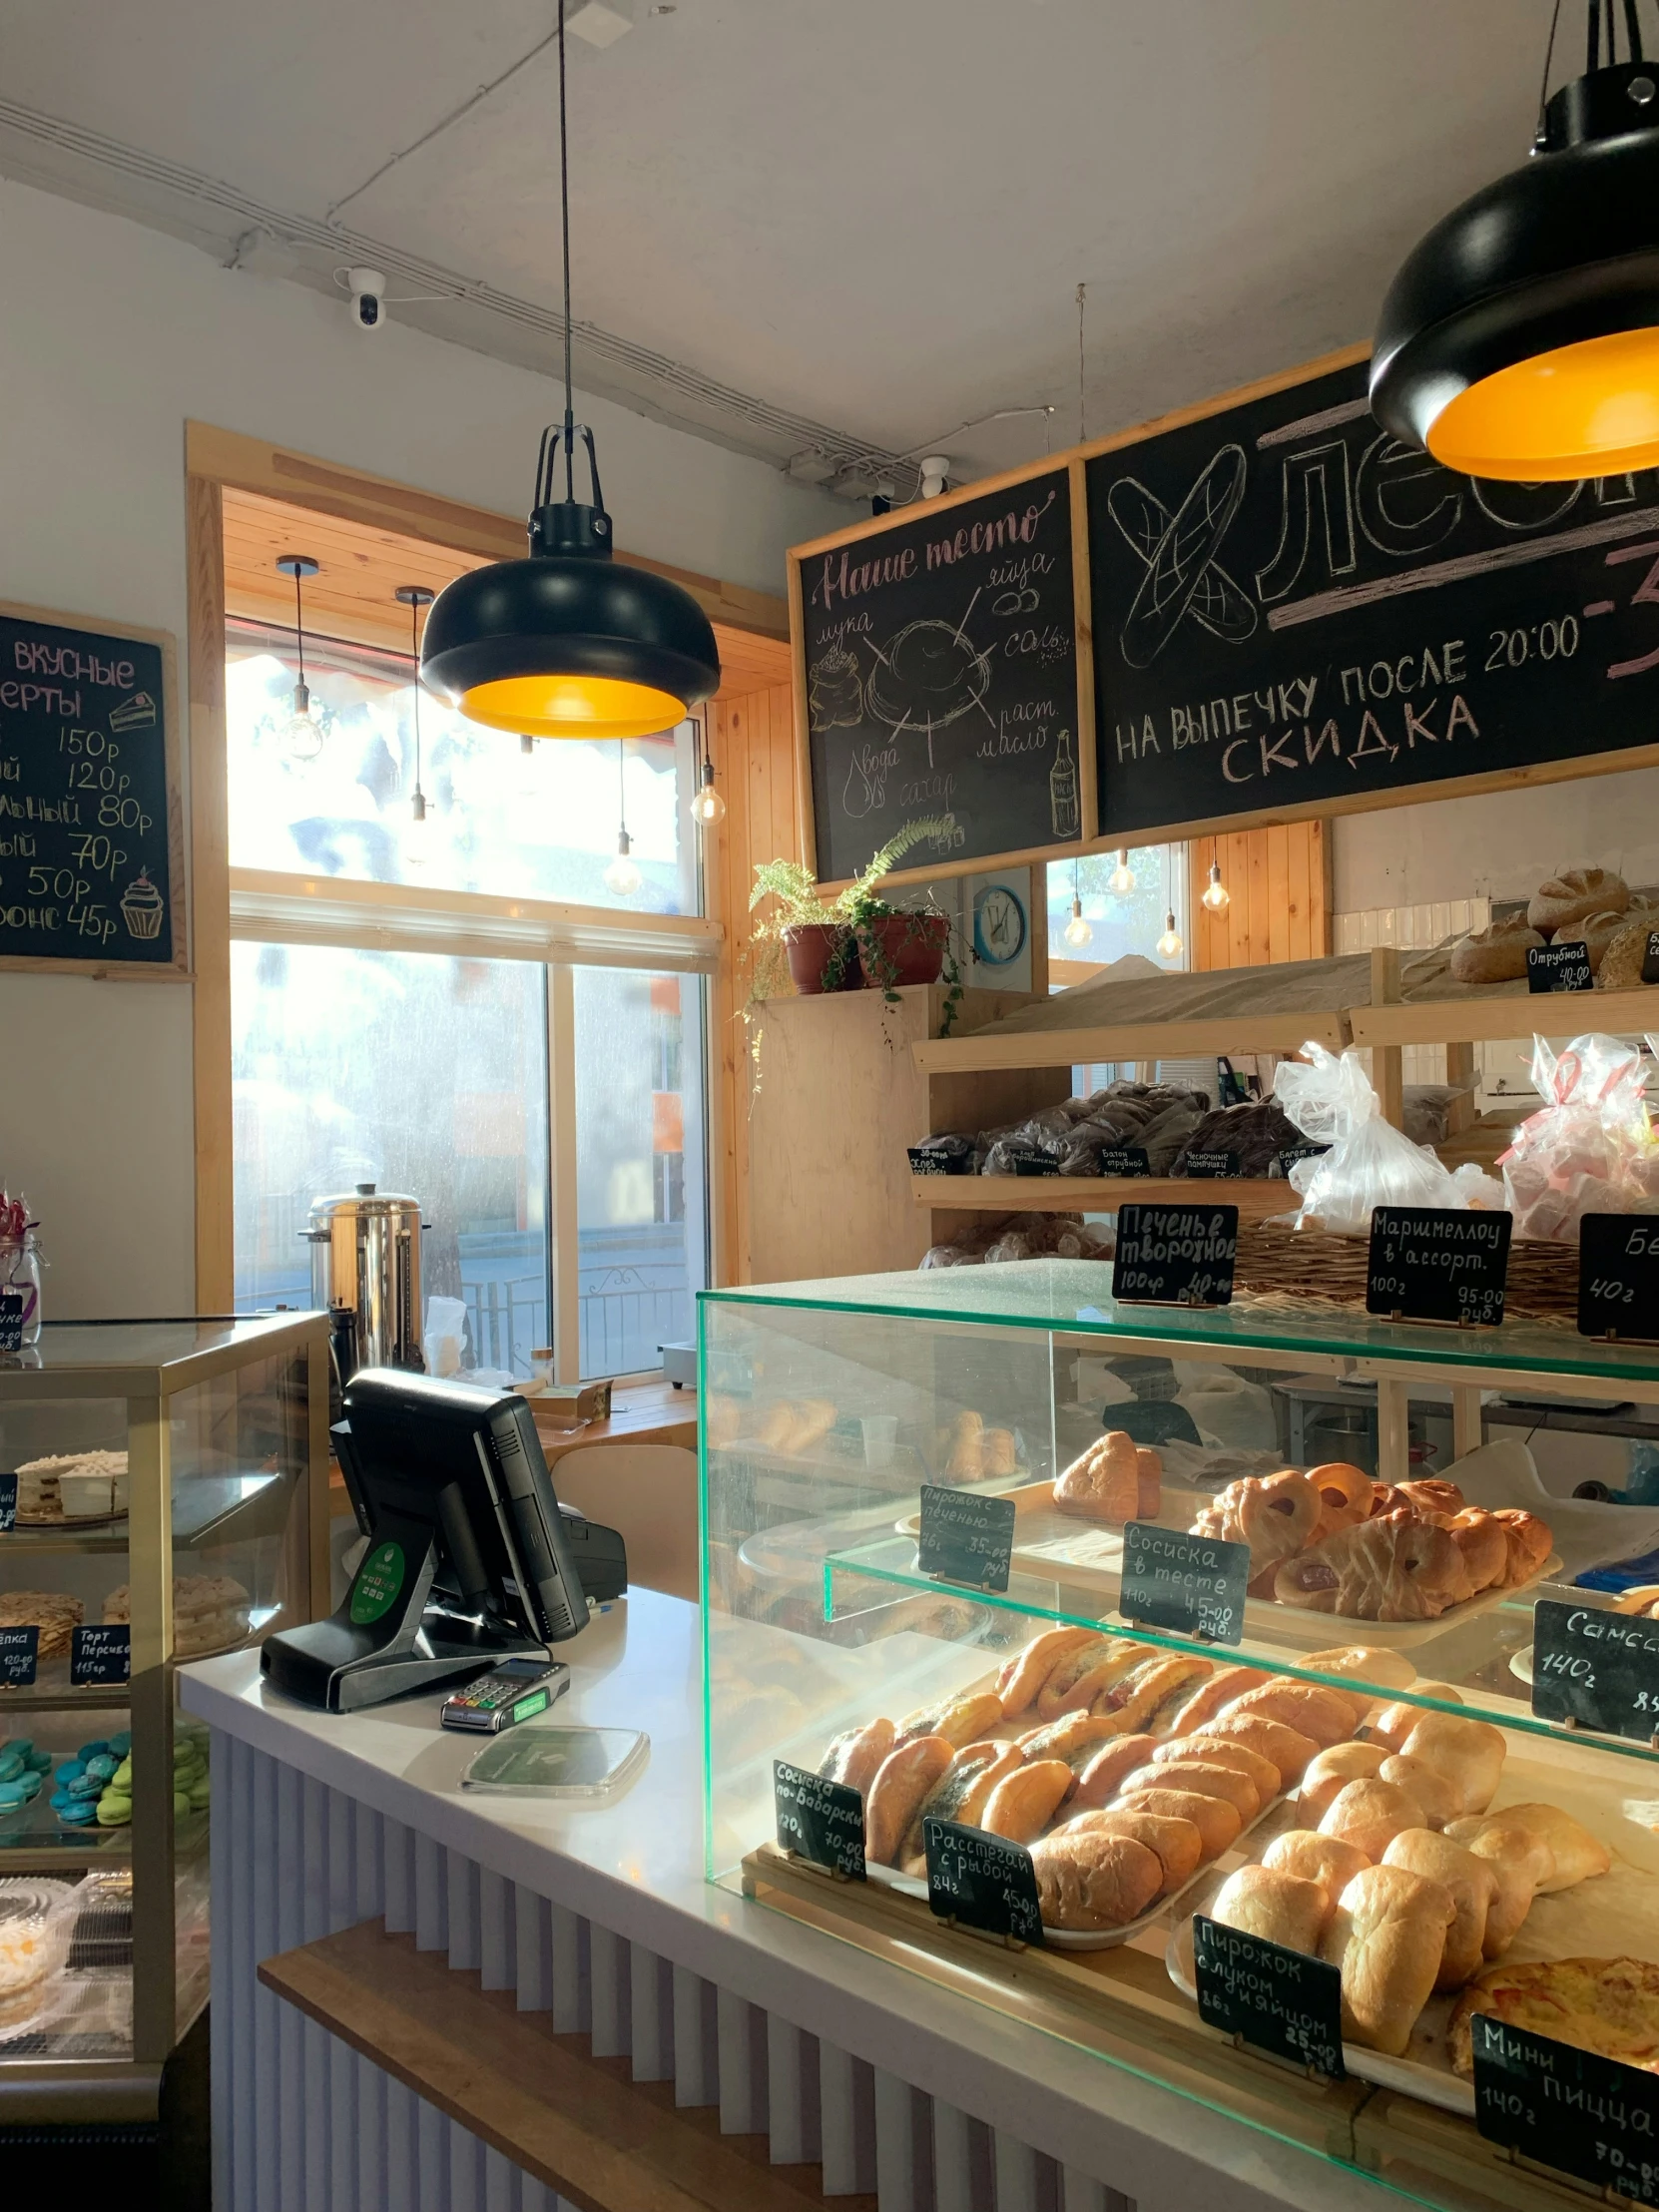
x=1370, y=1163
x=1590, y=1148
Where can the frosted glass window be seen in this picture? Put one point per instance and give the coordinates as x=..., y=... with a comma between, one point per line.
x=536, y=824
x=423, y=1074
x=642, y=1235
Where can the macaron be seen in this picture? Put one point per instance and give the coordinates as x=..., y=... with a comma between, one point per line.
x=39, y=1761
x=78, y=1813
x=90, y=1750
x=102, y=1765
x=70, y=1771
x=121, y=1743
x=114, y=1809
x=12, y=1764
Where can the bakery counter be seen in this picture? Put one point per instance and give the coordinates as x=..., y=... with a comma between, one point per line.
x=342, y=1842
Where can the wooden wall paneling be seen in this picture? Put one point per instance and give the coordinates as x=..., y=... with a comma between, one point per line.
x=1279, y=880
x=210, y=835
x=1277, y=857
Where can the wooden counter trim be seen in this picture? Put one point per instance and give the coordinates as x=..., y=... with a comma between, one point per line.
x=1258, y=1196
x=1138, y=1040
x=577, y=2123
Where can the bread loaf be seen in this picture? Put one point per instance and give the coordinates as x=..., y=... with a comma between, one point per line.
x=892, y=1803
x=1334, y=1770
x=1278, y=1907
x=1494, y=955
x=853, y=1758
x=1217, y=1822
x=1439, y=1792
x=1327, y=1859
x=1370, y=1815
x=1621, y=963
x=1025, y=1800
x=1024, y=1675
x=1574, y=894
x=1595, y=933
x=1208, y=1779
x=1287, y=1748
x=1471, y=1886
x=1178, y=1845
x=1387, y=1938
x=1324, y=1715
x=1222, y=1751
x=1093, y=1880
x=1102, y=1775
x=1470, y=1753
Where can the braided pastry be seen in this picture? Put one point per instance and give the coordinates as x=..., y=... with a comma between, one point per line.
x=1393, y=1569
x=1429, y=1493
x=1530, y=1541
x=1344, y=1496
x=1481, y=1538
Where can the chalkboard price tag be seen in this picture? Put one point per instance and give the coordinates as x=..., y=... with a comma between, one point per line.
x=1212, y=1165
x=1125, y=1160
x=1278, y=2000
x=1434, y=1263
x=926, y=1162
x=11, y=1321
x=1650, y=958
x=19, y=1648
x=102, y=1654
x=1583, y=2115
x=820, y=1820
x=1286, y=1160
x=1032, y=1162
x=8, y=1503
x=982, y=1881
x=1618, y=1277
x=1595, y=1669
x=1191, y=1585
x=1175, y=1255
x=1559, y=968
x=965, y=1537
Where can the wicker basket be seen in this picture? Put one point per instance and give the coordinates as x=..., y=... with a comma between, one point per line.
x=1279, y=1264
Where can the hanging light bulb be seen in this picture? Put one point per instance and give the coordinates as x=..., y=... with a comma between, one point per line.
x=1077, y=930
x=301, y=734
x=1170, y=946
x=417, y=834
x=568, y=644
x=623, y=876
x=1520, y=337
x=707, y=807
x=1121, y=881
x=1216, y=897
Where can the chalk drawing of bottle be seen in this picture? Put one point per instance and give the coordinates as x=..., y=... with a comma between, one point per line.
x=1062, y=788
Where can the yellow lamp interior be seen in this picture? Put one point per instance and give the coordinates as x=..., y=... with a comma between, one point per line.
x=572, y=706
x=1590, y=409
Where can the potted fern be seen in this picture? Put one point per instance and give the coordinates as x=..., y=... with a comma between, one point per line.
x=842, y=943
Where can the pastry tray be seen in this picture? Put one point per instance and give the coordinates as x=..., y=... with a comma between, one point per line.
x=1085, y=1555
x=1616, y=1797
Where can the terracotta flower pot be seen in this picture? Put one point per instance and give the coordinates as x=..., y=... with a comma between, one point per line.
x=904, y=948
x=822, y=958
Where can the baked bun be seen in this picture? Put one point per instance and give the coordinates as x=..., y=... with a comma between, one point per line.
x=1470, y=1753
x=1074, y=1737
x=1334, y=1770
x=1370, y=1815
x=905, y=1777
x=1102, y=1775
x=1531, y=1543
x=1394, y=1567
x=1437, y=1792
x=1577, y=1855
x=1387, y=1937
x=1223, y=1751
x=1024, y=1675
x=1287, y=1748
x=1494, y=955
x=1024, y=1802
x=1391, y=1724
x=1483, y=1542
x=1364, y=1663
x=1149, y=1468
x=1279, y=1908
x=1595, y=932
x=1575, y=894
x=1216, y=1781
x=1327, y=1859
x=960, y=1793
x=1092, y=1880
x=1345, y=1495
x=1178, y=1845
x=1429, y=1493
x=1077, y=1679
x=1520, y=1859
x=959, y=1720
x=1214, y=1696
x=856, y=1756
x=1471, y=1886
x=1152, y=1696
x=1103, y=1482
x=1326, y=1715
x=1217, y=1822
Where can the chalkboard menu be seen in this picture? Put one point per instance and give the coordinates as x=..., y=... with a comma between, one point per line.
x=1293, y=611
x=88, y=870
x=938, y=665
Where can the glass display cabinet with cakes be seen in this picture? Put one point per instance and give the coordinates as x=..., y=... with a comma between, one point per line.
x=985, y=1549
x=163, y=1497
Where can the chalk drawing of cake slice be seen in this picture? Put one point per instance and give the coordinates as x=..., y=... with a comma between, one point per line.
x=137, y=713
x=142, y=908
x=836, y=696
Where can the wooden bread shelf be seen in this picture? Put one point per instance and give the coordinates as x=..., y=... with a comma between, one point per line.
x=1256, y=1197
x=1139, y=1040
x=1492, y=1020
x=578, y=2123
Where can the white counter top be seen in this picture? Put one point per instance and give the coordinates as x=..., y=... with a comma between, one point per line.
x=635, y=1864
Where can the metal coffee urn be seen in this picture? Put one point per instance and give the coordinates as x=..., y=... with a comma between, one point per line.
x=365, y=1272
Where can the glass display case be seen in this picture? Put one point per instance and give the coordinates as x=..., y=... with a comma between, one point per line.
x=1344, y=1760
x=163, y=1497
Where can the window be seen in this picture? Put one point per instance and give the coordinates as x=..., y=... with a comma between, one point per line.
x=1132, y=921
x=376, y=1039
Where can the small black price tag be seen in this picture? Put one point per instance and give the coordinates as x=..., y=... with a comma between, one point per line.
x=1175, y=1255
x=820, y=1820
x=1559, y=968
x=1650, y=958
x=1434, y=1263
x=965, y=1537
x=99, y=1655
x=11, y=1321
x=1125, y=1160
x=1278, y=2000
x=1212, y=1166
x=1191, y=1585
x=1283, y=1162
x=1618, y=1277
x=1033, y=1162
x=19, y=1649
x=982, y=1881
x=924, y=1162
x=1597, y=1669
x=1586, y=2116
x=8, y=1502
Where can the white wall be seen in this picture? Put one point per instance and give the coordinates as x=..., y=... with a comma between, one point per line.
x=111, y=338
x=1499, y=847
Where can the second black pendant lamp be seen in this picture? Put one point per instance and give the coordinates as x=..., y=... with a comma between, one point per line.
x=1520, y=338
x=569, y=643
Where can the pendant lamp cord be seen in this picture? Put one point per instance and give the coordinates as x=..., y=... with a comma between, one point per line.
x=299, y=625
x=621, y=785
x=414, y=648
x=564, y=215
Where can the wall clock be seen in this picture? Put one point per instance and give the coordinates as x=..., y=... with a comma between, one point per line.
x=999, y=926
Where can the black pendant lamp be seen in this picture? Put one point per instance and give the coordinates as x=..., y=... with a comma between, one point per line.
x=1520, y=339
x=569, y=643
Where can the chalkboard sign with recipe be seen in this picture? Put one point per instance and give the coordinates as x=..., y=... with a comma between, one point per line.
x=91, y=840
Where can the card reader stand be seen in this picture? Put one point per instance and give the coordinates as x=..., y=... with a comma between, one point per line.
x=393, y=1634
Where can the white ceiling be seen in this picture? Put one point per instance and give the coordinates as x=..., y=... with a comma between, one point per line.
x=869, y=216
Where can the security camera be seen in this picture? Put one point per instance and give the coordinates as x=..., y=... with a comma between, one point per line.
x=368, y=297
